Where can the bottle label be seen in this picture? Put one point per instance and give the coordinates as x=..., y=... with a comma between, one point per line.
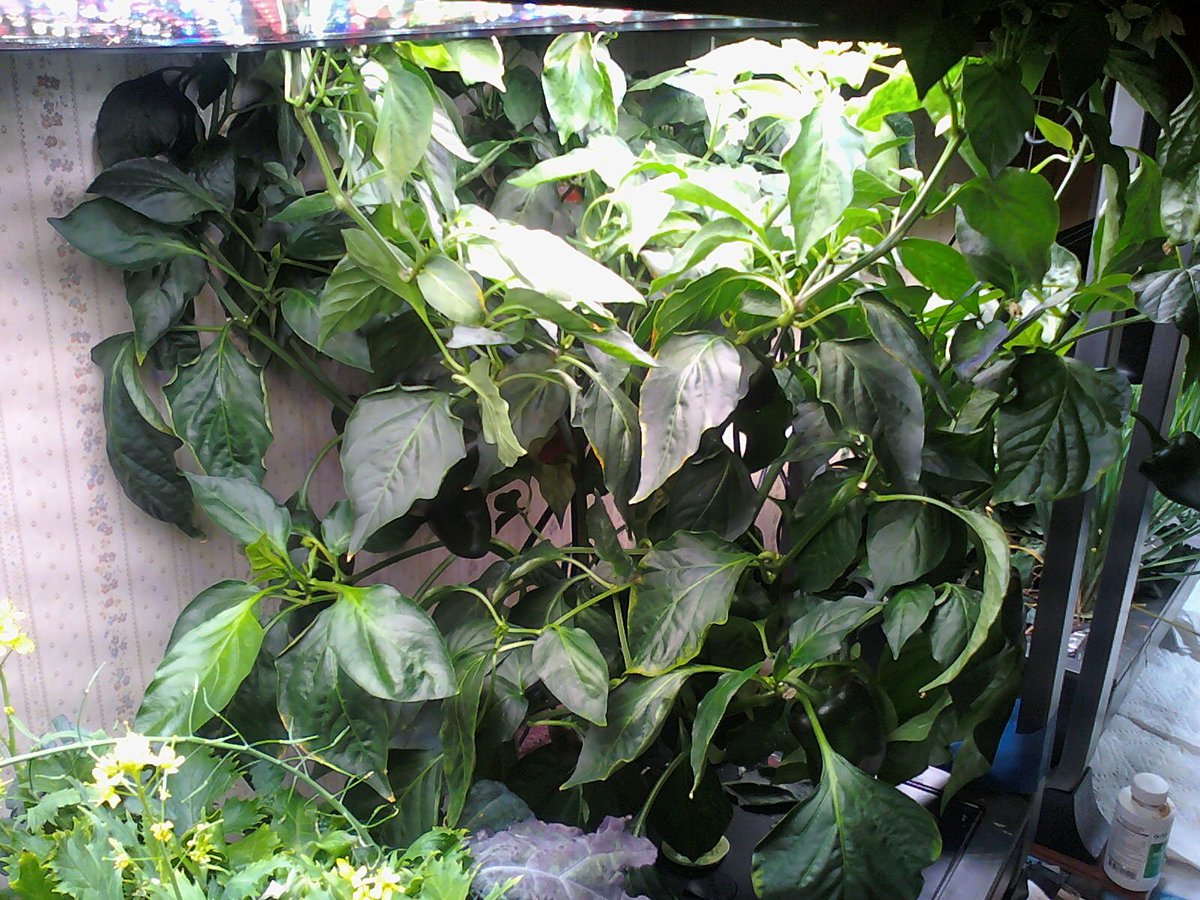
x=1154, y=860
x=1135, y=853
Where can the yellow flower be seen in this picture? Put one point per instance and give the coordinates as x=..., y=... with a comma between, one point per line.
x=200, y=845
x=105, y=784
x=162, y=831
x=167, y=760
x=11, y=635
x=120, y=860
x=132, y=752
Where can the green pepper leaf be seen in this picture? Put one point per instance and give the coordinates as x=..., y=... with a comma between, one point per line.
x=819, y=632
x=387, y=644
x=201, y=671
x=685, y=586
x=1006, y=227
x=219, y=407
x=142, y=455
x=405, y=127
x=460, y=719
x=854, y=837
x=875, y=394
x=998, y=110
x=636, y=712
x=302, y=311
x=711, y=712
x=451, y=290
x=582, y=84
x=115, y=235
x=158, y=297
x=1061, y=430
x=820, y=166
x=696, y=386
x=905, y=614
x=904, y=541
x=399, y=443
x=335, y=720
x=156, y=189
x=571, y=665
x=245, y=510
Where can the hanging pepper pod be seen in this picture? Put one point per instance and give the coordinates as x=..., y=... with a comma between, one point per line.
x=1174, y=468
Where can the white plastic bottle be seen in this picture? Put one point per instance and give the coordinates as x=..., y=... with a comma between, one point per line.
x=1137, y=846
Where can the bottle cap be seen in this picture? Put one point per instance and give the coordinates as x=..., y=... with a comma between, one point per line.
x=1149, y=789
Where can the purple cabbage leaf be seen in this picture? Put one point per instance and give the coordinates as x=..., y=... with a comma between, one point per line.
x=558, y=862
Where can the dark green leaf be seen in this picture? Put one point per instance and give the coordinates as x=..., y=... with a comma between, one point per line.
x=854, y=838
x=609, y=420
x=1170, y=296
x=399, y=444
x=156, y=189
x=1142, y=77
x=876, y=395
x=387, y=644
x=243, y=509
x=696, y=386
x=820, y=167
x=999, y=110
x=1061, y=431
x=491, y=806
x=686, y=586
x=335, y=720
x=712, y=494
x=405, y=127
x=819, y=632
x=905, y=614
x=350, y=299
x=219, y=408
x=523, y=98
x=828, y=528
x=535, y=394
x=460, y=718
x=1082, y=50
x=993, y=543
x=141, y=456
x=636, y=712
x=158, y=297
x=302, y=311
x=572, y=667
x=904, y=541
x=201, y=671
x=308, y=207
x=145, y=117
x=699, y=303
x=933, y=44
x=954, y=622
x=107, y=231
x=896, y=334
x=711, y=712
x=938, y=266
x=1005, y=228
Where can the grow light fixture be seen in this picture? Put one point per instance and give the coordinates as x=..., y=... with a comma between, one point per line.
x=46, y=24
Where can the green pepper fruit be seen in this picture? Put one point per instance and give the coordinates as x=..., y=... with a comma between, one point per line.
x=1174, y=468
x=850, y=719
x=463, y=523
